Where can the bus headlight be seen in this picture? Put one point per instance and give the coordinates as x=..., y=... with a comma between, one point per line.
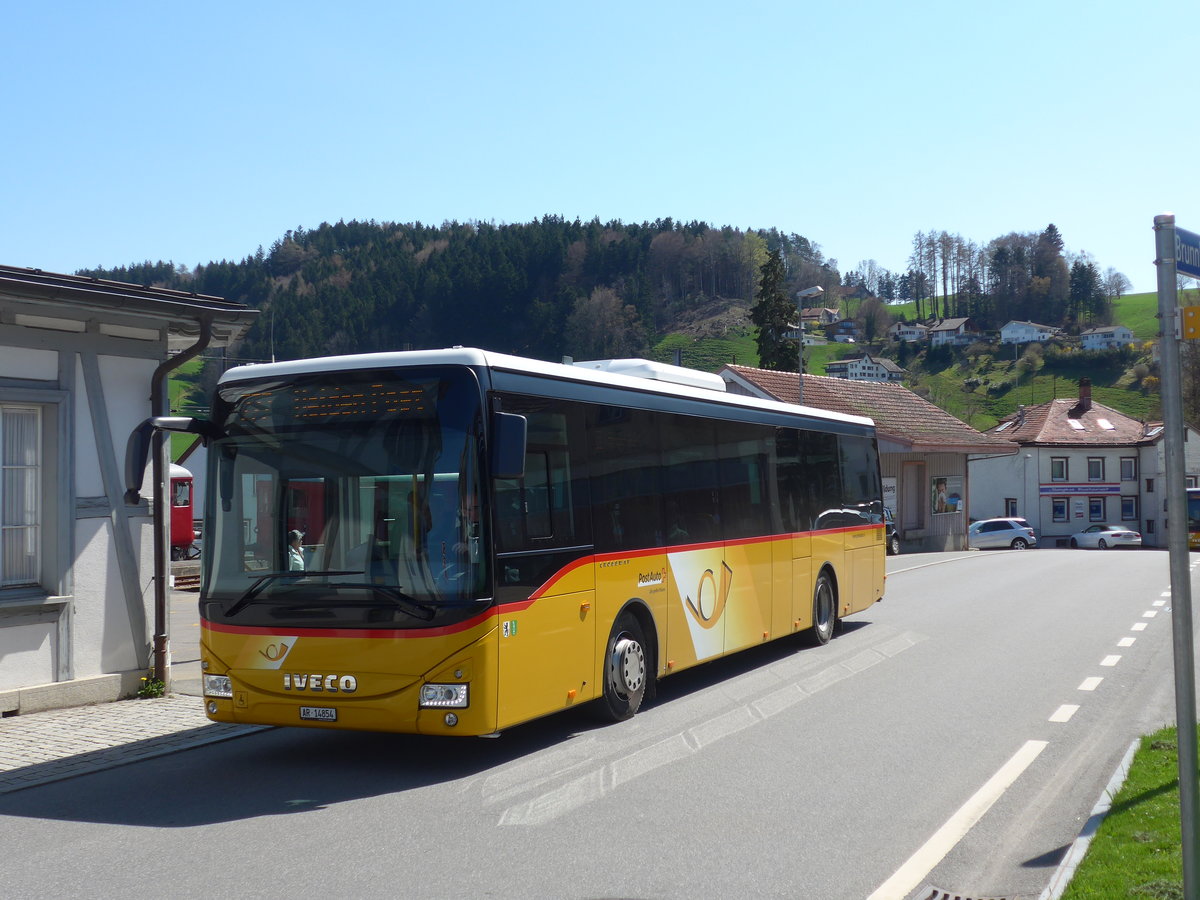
x=444, y=695
x=218, y=686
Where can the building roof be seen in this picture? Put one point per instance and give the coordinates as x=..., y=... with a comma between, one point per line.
x=900, y=415
x=49, y=295
x=950, y=325
x=1050, y=425
x=1103, y=329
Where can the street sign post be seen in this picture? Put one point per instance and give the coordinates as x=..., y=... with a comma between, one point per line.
x=1169, y=242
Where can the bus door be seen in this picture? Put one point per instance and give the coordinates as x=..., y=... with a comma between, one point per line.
x=862, y=508
x=748, y=522
x=545, y=583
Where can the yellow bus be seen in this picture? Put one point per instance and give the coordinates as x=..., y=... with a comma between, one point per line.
x=455, y=542
x=1193, y=515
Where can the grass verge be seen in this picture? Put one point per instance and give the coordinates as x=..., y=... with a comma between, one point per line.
x=1136, y=850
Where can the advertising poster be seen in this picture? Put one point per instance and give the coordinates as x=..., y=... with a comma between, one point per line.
x=946, y=494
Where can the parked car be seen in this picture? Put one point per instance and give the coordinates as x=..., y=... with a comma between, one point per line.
x=991, y=534
x=890, y=537
x=1101, y=537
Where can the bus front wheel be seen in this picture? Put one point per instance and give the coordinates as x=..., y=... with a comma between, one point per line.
x=625, y=669
x=824, y=610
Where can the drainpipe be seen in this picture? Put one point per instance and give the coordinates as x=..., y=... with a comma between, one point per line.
x=159, y=402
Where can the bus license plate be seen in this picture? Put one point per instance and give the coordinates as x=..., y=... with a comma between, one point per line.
x=319, y=713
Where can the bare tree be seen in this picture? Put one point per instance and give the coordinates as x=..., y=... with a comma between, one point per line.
x=1115, y=284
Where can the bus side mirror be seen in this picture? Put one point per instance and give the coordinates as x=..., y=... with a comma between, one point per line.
x=508, y=445
x=137, y=449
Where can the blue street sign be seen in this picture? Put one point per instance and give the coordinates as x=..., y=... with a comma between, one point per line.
x=1187, y=253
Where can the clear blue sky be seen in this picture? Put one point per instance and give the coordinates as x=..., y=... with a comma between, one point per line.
x=198, y=132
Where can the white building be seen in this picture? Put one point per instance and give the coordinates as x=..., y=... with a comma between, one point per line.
x=80, y=361
x=1027, y=333
x=1079, y=463
x=954, y=332
x=908, y=331
x=1107, y=337
x=864, y=368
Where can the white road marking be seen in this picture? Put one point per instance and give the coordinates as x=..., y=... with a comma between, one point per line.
x=1110, y=660
x=1090, y=684
x=1064, y=712
x=909, y=876
x=1150, y=614
x=1126, y=642
x=1159, y=603
x=1138, y=626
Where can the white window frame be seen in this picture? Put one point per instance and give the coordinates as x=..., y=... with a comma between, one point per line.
x=21, y=518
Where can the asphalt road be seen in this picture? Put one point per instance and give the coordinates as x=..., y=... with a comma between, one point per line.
x=955, y=735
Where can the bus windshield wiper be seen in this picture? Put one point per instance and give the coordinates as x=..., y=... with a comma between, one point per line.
x=267, y=577
x=406, y=602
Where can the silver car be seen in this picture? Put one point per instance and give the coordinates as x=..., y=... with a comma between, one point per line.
x=996, y=534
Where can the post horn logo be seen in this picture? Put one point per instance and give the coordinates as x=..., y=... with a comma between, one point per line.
x=274, y=652
x=710, y=602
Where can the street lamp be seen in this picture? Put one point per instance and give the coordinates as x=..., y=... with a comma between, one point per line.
x=806, y=294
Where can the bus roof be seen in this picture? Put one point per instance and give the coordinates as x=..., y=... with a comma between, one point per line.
x=595, y=372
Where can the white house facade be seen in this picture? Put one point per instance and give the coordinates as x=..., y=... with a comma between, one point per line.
x=1108, y=337
x=909, y=332
x=864, y=368
x=1027, y=333
x=953, y=332
x=82, y=363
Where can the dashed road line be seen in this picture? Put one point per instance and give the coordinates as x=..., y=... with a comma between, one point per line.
x=1090, y=684
x=1110, y=661
x=1064, y=712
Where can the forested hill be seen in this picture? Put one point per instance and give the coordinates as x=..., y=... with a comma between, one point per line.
x=542, y=289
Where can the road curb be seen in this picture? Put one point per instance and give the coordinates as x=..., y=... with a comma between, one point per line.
x=1066, y=869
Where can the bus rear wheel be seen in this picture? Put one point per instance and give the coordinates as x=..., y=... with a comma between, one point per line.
x=824, y=610
x=625, y=670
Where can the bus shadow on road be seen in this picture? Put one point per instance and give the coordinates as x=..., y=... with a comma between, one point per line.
x=298, y=770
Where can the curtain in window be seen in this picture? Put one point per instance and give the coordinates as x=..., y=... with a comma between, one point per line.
x=20, y=501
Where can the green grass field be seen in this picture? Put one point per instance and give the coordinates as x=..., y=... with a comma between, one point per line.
x=1136, y=851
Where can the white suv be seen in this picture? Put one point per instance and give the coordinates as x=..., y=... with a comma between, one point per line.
x=989, y=534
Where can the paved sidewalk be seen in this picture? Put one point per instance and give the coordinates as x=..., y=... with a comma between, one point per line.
x=39, y=748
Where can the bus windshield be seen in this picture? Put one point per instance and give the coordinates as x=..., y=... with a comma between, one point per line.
x=347, y=500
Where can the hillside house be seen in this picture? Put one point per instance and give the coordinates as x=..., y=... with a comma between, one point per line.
x=1105, y=337
x=864, y=367
x=819, y=317
x=1027, y=333
x=922, y=448
x=1079, y=463
x=952, y=332
x=82, y=363
x=909, y=332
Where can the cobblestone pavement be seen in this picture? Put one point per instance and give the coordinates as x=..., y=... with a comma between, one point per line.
x=42, y=747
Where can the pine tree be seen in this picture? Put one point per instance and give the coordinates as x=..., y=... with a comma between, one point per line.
x=773, y=313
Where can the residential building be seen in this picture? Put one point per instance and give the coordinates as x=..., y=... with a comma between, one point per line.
x=1105, y=337
x=1027, y=333
x=82, y=363
x=923, y=450
x=909, y=332
x=1078, y=463
x=819, y=317
x=953, y=332
x=864, y=367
